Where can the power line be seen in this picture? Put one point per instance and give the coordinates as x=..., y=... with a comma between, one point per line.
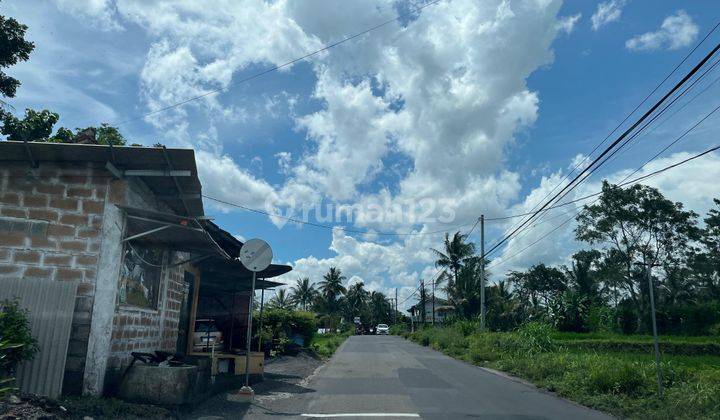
x=630, y=114
x=607, y=150
x=623, y=183
x=636, y=134
x=278, y=67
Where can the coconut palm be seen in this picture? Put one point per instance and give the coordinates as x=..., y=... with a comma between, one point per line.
x=281, y=300
x=332, y=288
x=303, y=293
x=356, y=299
x=454, y=255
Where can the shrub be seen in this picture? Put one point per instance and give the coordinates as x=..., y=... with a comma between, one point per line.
x=15, y=329
x=16, y=342
x=535, y=337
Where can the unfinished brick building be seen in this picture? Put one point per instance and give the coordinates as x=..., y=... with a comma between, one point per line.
x=126, y=224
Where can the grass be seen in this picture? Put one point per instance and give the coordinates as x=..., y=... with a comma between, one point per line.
x=325, y=345
x=607, y=378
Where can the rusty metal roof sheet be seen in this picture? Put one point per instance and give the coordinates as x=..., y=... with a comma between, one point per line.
x=124, y=158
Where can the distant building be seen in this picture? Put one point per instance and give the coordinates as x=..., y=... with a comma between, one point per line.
x=442, y=310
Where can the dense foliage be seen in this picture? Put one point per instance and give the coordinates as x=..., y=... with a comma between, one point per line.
x=14, y=49
x=605, y=288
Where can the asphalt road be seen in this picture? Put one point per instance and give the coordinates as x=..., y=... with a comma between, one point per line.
x=389, y=377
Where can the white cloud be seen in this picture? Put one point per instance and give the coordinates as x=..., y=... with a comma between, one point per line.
x=567, y=24
x=676, y=31
x=558, y=245
x=606, y=12
x=95, y=13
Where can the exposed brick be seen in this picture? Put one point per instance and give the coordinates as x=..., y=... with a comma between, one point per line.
x=39, y=242
x=87, y=233
x=73, y=179
x=70, y=204
x=35, y=201
x=79, y=192
x=4, y=254
x=27, y=257
x=92, y=206
x=83, y=304
x=86, y=260
x=78, y=246
x=10, y=199
x=38, y=272
x=85, y=289
x=68, y=274
x=94, y=247
x=73, y=219
x=117, y=192
x=61, y=230
x=20, y=213
x=43, y=214
x=57, y=259
x=80, y=332
x=9, y=270
x=90, y=276
x=13, y=239
x=57, y=189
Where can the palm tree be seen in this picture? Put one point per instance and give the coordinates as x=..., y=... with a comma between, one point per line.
x=303, y=293
x=456, y=252
x=331, y=286
x=281, y=300
x=356, y=299
x=380, y=308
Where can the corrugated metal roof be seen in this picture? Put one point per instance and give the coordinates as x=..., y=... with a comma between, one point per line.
x=124, y=158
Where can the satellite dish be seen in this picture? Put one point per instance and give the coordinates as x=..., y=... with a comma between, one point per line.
x=256, y=255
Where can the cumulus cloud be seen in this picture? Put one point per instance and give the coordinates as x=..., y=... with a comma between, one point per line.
x=606, y=12
x=676, y=31
x=558, y=242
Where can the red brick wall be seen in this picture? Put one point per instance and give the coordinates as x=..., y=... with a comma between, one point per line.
x=50, y=227
x=147, y=330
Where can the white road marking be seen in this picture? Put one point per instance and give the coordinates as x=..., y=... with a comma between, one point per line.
x=362, y=415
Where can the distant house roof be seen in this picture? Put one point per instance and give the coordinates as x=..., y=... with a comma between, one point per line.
x=171, y=174
x=440, y=303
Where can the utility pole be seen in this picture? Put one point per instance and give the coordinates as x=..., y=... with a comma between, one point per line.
x=654, y=328
x=433, y=302
x=396, y=307
x=482, y=272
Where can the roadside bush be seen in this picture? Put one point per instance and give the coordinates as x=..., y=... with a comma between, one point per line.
x=281, y=325
x=535, y=337
x=16, y=342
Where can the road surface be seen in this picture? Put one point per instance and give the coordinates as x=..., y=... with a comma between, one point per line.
x=389, y=377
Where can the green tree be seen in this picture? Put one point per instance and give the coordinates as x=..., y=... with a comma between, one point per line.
x=637, y=225
x=380, y=308
x=34, y=126
x=454, y=254
x=303, y=293
x=706, y=262
x=355, y=302
x=14, y=49
x=331, y=289
x=281, y=300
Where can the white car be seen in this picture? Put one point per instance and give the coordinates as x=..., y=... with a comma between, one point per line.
x=382, y=329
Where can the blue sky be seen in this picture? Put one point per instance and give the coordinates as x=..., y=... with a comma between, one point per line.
x=469, y=107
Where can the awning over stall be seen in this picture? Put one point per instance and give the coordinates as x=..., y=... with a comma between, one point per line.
x=170, y=231
x=228, y=276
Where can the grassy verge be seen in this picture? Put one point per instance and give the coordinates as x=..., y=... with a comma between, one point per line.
x=608, y=378
x=326, y=344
